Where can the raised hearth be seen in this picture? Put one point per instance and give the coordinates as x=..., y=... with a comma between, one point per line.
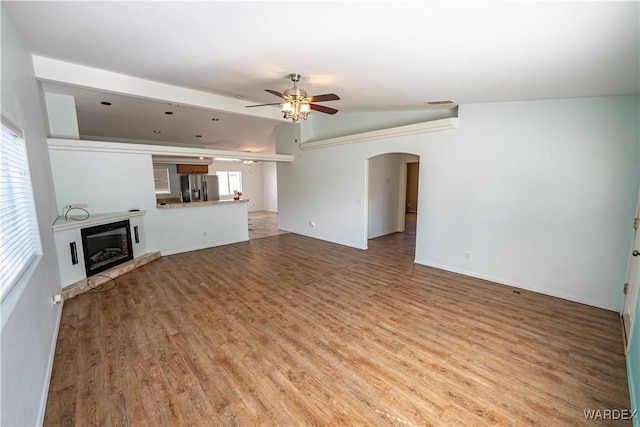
x=85, y=285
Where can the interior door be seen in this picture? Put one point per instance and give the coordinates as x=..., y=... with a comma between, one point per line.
x=413, y=170
x=632, y=286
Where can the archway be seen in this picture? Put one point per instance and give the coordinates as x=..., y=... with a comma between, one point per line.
x=387, y=192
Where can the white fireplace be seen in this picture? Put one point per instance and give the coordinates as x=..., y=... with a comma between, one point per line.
x=78, y=261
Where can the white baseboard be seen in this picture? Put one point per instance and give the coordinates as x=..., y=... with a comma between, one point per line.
x=199, y=247
x=52, y=355
x=501, y=281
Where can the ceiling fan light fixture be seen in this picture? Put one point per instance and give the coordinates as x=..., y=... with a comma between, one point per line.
x=297, y=105
x=296, y=109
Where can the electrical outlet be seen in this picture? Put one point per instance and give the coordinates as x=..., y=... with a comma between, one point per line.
x=77, y=206
x=56, y=300
x=467, y=255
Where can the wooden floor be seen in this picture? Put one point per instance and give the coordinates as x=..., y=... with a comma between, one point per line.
x=263, y=224
x=292, y=331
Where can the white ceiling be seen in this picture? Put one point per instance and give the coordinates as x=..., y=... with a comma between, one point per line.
x=377, y=56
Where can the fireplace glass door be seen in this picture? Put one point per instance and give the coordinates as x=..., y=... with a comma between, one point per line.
x=106, y=246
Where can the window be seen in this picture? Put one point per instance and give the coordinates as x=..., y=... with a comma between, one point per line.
x=228, y=181
x=161, y=180
x=19, y=237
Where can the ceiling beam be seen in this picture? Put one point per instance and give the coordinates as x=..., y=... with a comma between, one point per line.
x=55, y=71
x=161, y=150
x=430, y=126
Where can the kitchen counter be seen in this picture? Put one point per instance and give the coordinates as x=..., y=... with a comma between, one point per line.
x=195, y=204
x=200, y=225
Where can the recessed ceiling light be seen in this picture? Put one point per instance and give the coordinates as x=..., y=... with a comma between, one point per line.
x=157, y=131
x=215, y=119
x=105, y=103
x=168, y=113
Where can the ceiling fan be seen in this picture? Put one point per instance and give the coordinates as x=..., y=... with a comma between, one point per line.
x=297, y=104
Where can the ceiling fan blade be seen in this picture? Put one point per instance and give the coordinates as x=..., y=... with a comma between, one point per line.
x=323, y=109
x=260, y=105
x=325, y=97
x=276, y=93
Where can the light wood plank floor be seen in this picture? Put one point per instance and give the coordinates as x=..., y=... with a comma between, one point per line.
x=263, y=224
x=292, y=331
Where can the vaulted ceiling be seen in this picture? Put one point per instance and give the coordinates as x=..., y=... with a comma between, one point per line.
x=377, y=56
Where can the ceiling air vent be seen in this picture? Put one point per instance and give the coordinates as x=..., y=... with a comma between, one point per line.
x=447, y=102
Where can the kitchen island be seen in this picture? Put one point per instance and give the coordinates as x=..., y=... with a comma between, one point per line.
x=183, y=227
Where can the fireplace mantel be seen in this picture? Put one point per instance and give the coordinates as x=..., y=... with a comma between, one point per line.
x=62, y=224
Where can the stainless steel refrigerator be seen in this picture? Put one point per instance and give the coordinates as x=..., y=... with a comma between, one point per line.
x=199, y=188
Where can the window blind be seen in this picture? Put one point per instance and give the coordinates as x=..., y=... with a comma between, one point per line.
x=161, y=180
x=19, y=237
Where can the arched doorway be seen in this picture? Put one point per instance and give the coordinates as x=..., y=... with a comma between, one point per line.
x=392, y=194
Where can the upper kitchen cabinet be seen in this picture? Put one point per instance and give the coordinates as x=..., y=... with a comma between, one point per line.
x=190, y=169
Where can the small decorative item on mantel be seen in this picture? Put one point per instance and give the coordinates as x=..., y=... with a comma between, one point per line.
x=237, y=194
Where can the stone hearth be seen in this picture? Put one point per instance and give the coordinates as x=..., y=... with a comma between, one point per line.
x=82, y=286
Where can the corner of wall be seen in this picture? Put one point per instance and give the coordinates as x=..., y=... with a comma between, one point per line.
x=45, y=389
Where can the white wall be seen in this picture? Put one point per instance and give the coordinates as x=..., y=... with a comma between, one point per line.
x=539, y=193
x=29, y=323
x=176, y=230
x=62, y=116
x=270, y=187
x=117, y=182
x=325, y=187
x=384, y=195
x=108, y=182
